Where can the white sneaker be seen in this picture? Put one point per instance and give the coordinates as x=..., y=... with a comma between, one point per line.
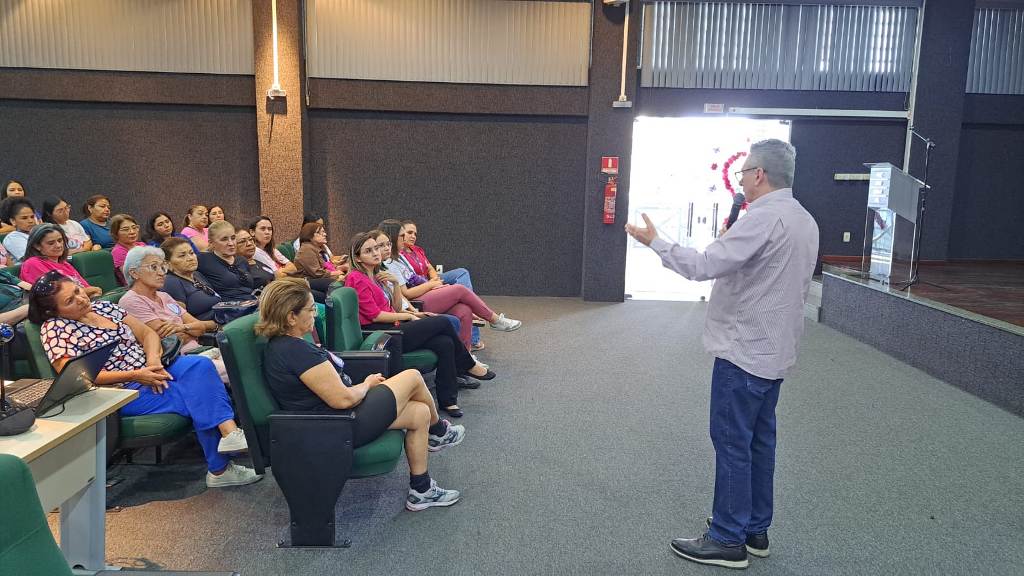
x=233, y=475
x=435, y=496
x=477, y=360
x=505, y=324
x=233, y=442
x=453, y=436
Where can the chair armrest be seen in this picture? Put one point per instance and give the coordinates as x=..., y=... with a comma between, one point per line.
x=417, y=304
x=367, y=333
x=360, y=364
x=375, y=341
x=199, y=350
x=208, y=339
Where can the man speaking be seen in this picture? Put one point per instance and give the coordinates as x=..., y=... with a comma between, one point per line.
x=763, y=265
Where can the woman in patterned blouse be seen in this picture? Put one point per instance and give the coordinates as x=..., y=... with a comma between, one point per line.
x=71, y=326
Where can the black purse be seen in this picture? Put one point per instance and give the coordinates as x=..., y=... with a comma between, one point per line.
x=225, y=312
x=171, y=350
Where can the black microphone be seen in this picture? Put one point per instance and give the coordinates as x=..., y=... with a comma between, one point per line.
x=738, y=200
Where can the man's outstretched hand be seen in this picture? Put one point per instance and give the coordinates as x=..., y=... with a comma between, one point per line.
x=644, y=235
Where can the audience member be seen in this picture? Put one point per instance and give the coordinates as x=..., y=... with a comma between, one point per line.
x=227, y=272
x=313, y=261
x=196, y=222
x=125, y=231
x=71, y=325
x=416, y=257
x=454, y=299
x=376, y=312
x=303, y=377
x=58, y=211
x=185, y=283
x=13, y=189
x=97, y=222
x=160, y=227
x=216, y=213
x=261, y=275
x=307, y=218
x=47, y=250
x=262, y=230
x=20, y=214
x=145, y=270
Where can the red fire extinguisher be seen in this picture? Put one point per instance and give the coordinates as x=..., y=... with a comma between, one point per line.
x=611, y=189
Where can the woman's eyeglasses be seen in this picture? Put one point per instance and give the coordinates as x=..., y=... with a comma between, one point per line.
x=160, y=268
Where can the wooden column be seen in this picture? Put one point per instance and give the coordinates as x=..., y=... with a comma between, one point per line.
x=281, y=122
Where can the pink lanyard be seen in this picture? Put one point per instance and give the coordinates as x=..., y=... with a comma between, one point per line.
x=419, y=262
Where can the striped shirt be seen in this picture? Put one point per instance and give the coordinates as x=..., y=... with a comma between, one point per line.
x=763, y=266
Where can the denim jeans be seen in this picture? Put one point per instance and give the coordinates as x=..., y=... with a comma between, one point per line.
x=743, y=433
x=460, y=276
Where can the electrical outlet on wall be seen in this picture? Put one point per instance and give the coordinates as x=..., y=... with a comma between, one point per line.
x=846, y=236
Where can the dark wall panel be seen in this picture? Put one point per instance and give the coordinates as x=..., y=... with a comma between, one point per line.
x=988, y=208
x=144, y=157
x=499, y=195
x=827, y=147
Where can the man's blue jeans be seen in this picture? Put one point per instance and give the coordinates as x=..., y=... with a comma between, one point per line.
x=743, y=432
x=460, y=276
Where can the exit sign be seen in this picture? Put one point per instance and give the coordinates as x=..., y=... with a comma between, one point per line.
x=710, y=108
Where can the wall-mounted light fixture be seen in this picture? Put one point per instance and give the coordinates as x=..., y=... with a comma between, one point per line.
x=275, y=89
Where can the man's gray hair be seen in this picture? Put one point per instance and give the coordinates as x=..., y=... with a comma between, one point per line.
x=134, y=259
x=777, y=159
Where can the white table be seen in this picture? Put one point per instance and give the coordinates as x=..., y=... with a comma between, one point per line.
x=67, y=454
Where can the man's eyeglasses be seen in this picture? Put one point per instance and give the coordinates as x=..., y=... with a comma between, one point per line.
x=739, y=173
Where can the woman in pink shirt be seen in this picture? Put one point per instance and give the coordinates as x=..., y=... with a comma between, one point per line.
x=125, y=231
x=196, y=221
x=145, y=270
x=435, y=333
x=47, y=250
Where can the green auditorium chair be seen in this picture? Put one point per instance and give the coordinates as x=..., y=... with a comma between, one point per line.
x=133, y=432
x=27, y=547
x=313, y=449
x=287, y=249
x=345, y=333
x=97, y=267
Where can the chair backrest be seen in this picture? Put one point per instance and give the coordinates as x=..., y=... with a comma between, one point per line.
x=114, y=296
x=37, y=356
x=26, y=543
x=97, y=267
x=243, y=350
x=15, y=270
x=343, y=329
x=288, y=249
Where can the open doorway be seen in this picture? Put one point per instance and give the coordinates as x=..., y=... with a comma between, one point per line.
x=682, y=177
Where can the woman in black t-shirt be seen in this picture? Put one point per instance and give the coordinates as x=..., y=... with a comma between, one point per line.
x=185, y=283
x=303, y=377
x=227, y=272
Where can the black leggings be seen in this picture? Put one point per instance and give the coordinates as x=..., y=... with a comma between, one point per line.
x=437, y=335
x=320, y=287
x=374, y=415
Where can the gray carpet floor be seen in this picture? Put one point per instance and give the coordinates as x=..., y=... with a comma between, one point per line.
x=590, y=451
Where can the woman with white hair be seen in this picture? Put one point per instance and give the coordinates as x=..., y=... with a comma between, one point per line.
x=144, y=270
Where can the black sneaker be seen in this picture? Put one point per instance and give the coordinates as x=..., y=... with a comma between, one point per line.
x=467, y=382
x=705, y=550
x=757, y=544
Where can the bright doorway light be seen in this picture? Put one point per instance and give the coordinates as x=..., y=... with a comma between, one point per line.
x=681, y=177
